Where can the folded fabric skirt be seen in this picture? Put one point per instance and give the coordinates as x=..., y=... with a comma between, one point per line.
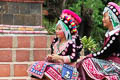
x=54, y=71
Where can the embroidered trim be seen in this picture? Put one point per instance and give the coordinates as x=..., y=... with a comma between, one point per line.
x=114, y=10
x=91, y=70
x=38, y=68
x=52, y=74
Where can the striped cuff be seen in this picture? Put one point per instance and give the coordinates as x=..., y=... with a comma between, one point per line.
x=66, y=59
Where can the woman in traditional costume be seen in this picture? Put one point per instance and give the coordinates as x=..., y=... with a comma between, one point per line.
x=65, y=48
x=105, y=64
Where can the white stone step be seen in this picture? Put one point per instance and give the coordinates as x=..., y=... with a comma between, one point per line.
x=11, y=78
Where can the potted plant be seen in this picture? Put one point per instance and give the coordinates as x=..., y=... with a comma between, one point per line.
x=89, y=45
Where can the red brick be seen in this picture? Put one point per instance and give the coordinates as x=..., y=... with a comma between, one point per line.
x=23, y=42
x=51, y=39
x=22, y=55
x=20, y=70
x=5, y=56
x=40, y=41
x=4, y=70
x=5, y=42
x=39, y=55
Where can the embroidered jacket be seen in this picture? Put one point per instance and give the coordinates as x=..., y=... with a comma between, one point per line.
x=111, y=46
x=70, y=50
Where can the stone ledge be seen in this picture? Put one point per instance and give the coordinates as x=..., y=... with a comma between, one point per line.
x=20, y=29
x=19, y=78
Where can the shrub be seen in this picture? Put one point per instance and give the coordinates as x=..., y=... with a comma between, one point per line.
x=89, y=45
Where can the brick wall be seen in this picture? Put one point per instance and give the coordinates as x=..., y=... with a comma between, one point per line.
x=21, y=12
x=18, y=51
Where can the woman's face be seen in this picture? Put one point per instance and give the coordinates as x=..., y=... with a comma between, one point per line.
x=59, y=32
x=106, y=20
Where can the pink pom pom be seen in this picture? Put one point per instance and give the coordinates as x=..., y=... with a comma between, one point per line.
x=74, y=15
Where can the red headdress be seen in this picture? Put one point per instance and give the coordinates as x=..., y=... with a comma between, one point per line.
x=71, y=19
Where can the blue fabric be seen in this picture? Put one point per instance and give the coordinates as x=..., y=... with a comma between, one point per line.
x=67, y=71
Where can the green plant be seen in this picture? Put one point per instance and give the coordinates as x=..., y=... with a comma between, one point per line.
x=49, y=26
x=94, y=20
x=89, y=44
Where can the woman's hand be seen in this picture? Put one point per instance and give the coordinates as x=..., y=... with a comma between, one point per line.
x=49, y=58
x=56, y=57
x=81, y=58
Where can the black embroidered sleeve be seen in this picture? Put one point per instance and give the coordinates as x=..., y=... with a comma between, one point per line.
x=109, y=48
x=78, y=43
x=74, y=50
